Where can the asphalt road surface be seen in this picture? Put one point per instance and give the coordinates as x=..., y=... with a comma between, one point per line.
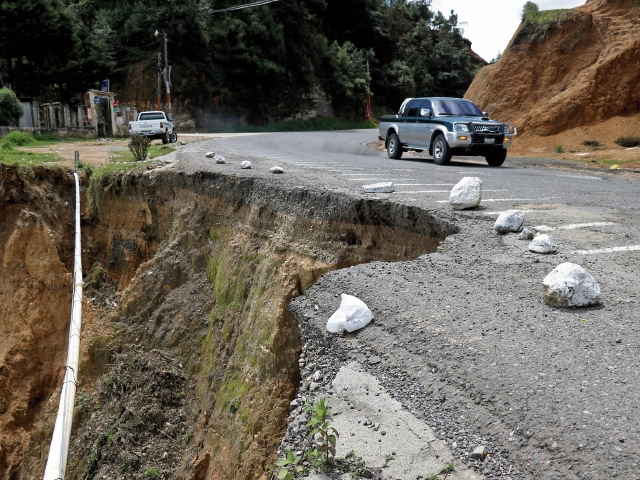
x=554, y=390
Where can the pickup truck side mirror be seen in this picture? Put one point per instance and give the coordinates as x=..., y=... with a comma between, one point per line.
x=425, y=112
x=485, y=114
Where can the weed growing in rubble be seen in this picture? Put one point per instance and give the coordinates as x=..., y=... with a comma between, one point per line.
x=323, y=456
x=289, y=468
x=559, y=149
x=151, y=473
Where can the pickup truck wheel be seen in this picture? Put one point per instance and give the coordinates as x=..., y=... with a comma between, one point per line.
x=441, y=151
x=165, y=137
x=394, y=149
x=173, y=138
x=497, y=159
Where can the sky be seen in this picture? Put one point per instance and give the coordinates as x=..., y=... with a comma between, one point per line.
x=490, y=24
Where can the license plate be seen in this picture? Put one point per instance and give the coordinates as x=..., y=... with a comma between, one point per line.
x=146, y=126
x=490, y=140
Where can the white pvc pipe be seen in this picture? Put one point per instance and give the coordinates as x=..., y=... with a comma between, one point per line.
x=57, y=461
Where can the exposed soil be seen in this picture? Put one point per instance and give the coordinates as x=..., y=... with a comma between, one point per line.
x=575, y=81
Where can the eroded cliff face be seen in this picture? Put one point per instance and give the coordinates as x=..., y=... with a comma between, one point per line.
x=579, y=71
x=190, y=354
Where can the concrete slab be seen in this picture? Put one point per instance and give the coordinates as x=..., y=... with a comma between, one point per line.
x=358, y=400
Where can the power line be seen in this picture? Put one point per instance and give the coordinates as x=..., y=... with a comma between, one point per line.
x=246, y=5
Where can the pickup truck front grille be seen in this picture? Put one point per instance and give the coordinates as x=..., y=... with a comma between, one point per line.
x=487, y=128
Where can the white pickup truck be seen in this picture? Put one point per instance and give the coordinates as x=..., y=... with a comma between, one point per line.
x=154, y=125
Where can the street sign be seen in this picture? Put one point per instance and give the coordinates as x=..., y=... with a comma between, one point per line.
x=104, y=85
x=89, y=113
x=96, y=100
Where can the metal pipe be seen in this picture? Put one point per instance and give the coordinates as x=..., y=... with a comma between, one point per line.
x=59, y=449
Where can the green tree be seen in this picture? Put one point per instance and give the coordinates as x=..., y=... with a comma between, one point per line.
x=529, y=12
x=10, y=107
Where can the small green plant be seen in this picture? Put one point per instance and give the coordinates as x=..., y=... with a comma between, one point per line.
x=592, y=143
x=323, y=456
x=289, y=468
x=139, y=147
x=387, y=459
x=559, y=149
x=97, y=277
x=447, y=470
x=151, y=473
x=628, y=142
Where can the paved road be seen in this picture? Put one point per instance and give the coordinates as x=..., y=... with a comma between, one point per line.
x=555, y=390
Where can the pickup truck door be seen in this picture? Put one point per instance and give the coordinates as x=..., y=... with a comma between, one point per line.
x=423, y=127
x=411, y=119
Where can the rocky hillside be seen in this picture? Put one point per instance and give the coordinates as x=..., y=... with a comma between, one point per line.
x=574, y=69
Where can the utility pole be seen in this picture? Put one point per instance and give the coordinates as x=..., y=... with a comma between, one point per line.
x=368, y=94
x=159, y=70
x=166, y=74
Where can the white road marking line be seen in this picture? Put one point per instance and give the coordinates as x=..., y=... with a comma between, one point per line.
x=606, y=250
x=574, y=226
x=500, y=213
x=439, y=191
x=579, y=176
x=506, y=200
x=425, y=191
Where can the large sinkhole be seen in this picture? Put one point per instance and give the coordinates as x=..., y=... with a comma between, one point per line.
x=190, y=351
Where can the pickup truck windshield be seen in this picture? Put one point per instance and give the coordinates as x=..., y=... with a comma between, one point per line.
x=456, y=107
x=151, y=116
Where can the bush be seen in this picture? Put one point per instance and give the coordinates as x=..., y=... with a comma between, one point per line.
x=139, y=147
x=628, y=142
x=530, y=11
x=10, y=107
x=20, y=139
x=559, y=149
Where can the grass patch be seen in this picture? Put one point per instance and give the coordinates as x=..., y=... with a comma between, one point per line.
x=154, y=151
x=314, y=124
x=537, y=24
x=10, y=156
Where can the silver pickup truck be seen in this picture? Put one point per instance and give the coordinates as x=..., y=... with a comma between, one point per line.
x=154, y=124
x=445, y=127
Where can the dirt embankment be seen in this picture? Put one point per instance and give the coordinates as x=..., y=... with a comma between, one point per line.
x=571, y=81
x=190, y=353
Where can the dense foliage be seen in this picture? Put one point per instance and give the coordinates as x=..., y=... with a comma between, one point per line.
x=10, y=107
x=262, y=64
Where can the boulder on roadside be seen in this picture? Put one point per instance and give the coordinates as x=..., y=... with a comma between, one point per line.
x=570, y=285
x=526, y=234
x=509, y=221
x=219, y=159
x=245, y=164
x=210, y=154
x=276, y=169
x=466, y=194
x=543, y=244
x=385, y=187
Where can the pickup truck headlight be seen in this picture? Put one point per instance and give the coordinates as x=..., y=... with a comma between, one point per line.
x=509, y=129
x=460, y=127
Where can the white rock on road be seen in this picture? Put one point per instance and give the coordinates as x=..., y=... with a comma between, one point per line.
x=543, y=244
x=570, y=285
x=245, y=164
x=276, y=169
x=466, y=194
x=526, y=234
x=210, y=154
x=509, y=221
x=219, y=159
x=386, y=187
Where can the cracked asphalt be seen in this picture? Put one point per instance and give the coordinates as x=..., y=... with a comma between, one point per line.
x=555, y=391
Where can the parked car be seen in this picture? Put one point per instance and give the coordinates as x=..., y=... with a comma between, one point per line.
x=445, y=127
x=154, y=125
